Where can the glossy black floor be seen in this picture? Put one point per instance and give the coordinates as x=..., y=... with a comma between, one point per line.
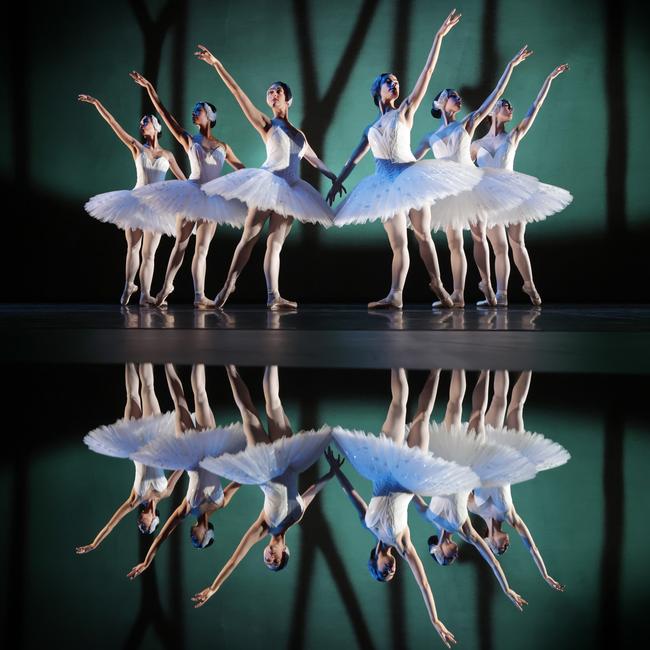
x=571, y=338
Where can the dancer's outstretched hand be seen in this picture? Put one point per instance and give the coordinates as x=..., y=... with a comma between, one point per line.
x=202, y=597
x=80, y=550
x=554, y=583
x=334, y=461
x=559, y=70
x=337, y=188
x=450, y=22
x=446, y=636
x=139, y=79
x=88, y=99
x=522, y=55
x=516, y=599
x=203, y=54
x=137, y=570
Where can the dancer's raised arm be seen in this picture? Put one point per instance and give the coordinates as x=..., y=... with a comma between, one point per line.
x=176, y=129
x=522, y=128
x=128, y=506
x=125, y=137
x=256, y=533
x=356, y=499
x=255, y=116
x=474, y=119
x=412, y=102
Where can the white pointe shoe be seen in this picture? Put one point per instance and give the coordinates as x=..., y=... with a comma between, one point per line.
x=488, y=292
x=129, y=290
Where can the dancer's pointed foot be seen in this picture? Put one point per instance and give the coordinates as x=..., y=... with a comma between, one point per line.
x=444, y=298
x=129, y=290
x=223, y=295
x=201, y=302
x=277, y=303
x=457, y=301
x=529, y=288
x=488, y=292
x=392, y=301
x=146, y=300
x=161, y=297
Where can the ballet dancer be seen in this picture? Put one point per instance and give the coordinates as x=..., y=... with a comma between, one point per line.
x=142, y=423
x=498, y=149
x=273, y=461
x=183, y=202
x=142, y=227
x=274, y=192
x=401, y=189
x=495, y=192
x=398, y=470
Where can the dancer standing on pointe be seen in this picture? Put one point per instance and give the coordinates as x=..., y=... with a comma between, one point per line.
x=184, y=203
x=401, y=189
x=495, y=193
x=498, y=149
x=141, y=226
x=275, y=192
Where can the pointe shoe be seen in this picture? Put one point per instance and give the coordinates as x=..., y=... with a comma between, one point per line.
x=129, y=290
x=444, y=298
x=488, y=292
x=162, y=295
x=530, y=290
x=223, y=295
x=502, y=298
x=276, y=303
x=457, y=301
x=391, y=301
x=147, y=301
x=201, y=302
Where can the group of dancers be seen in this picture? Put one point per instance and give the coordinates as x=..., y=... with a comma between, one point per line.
x=463, y=466
x=468, y=185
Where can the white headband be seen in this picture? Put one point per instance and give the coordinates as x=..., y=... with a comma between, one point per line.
x=497, y=107
x=212, y=116
x=209, y=535
x=441, y=101
x=155, y=122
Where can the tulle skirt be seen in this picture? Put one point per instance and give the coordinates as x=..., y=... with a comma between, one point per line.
x=261, y=463
x=172, y=199
x=548, y=200
x=399, y=468
x=263, y=190
x=396, y=188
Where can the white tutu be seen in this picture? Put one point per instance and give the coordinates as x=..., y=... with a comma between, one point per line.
x=397, y=187
x=172, y=199
x=126, y=437
x=261, y=463
x=399, y=468
x=539, y=450
x=493, y=463
x=548, y=200
x=185, y=450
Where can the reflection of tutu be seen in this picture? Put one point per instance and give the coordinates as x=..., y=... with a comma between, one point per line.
x=399, y=468
x=171, y=199
x=397, y=187
x=125, y=437
x=264, y=190
x=539, y=450
x=185, y=450
x=261, y=463
x=493, y=463
x=548, y=200
x=123, y=209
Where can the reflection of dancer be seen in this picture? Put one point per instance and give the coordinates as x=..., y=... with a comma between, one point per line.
x=495, y=504
x=184, y=202
x=397, y=471
x=493, y=465
x=498, y=149
x=141, y=226
x=275, y=192
x=142, y=423
x=496, y=191
x=401, y=190
x=272, y=461
x=193, y=440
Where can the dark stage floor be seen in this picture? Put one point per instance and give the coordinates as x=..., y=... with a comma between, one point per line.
x=567, y=338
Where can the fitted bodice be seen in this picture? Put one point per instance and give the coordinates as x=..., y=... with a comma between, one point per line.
x=492, y=503
x=452, y=142
x=204, y=488
x=387, y=516
x=148, y=479
x=504, y=154
x=205, y=165
x=449, y=511
x=390, y=140
x=149, y=170
x=283, y=504
x=283, y=153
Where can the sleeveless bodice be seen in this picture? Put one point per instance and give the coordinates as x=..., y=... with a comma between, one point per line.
x=452, y=142
x=149, y=170
x=390, y=141
x=283, y=154
x=148, y=479
x=205, y=165
x=283, y=504
x=492, y=503
x=504, y=154
x=204, y=487
x=387, y=516
x=448, y=512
